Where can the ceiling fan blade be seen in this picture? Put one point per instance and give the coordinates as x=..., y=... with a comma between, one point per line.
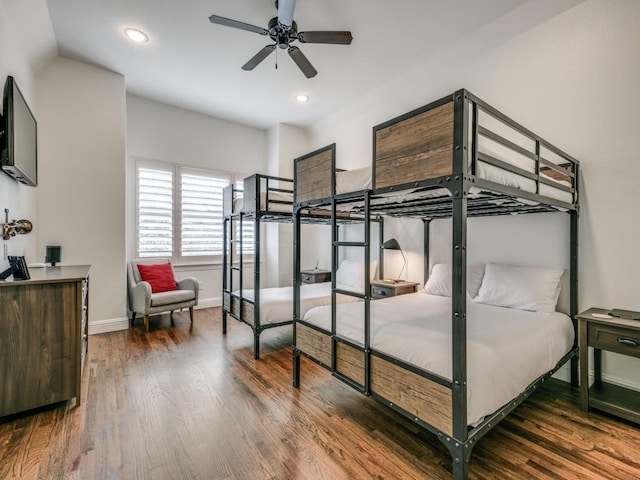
x=227, y=22
x=258, y=57
x=296, y=54
x=285, y=11
x=338, y=38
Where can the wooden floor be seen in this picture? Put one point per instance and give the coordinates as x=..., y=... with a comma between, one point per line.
x=186, y=402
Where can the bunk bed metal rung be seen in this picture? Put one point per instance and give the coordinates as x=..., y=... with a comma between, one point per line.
x=351, y=244
x=350, y=293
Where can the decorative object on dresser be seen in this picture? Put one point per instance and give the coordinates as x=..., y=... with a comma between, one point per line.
x=315, y=276
x=385, y=288
x=53, y=255
x=620, y=335
x=392, y=244
x=153, y=289
x=43, y=338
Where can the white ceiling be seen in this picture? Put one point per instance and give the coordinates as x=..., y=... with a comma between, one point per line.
x=194, y=64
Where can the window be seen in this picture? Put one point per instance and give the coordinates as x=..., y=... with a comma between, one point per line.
x=248, y=229
x=179, y=212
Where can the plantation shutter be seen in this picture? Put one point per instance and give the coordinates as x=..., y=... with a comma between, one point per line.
x=248, y=235
x=201, y=213
x=155, y=212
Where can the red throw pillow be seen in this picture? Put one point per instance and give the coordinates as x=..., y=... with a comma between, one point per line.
x=159, y=276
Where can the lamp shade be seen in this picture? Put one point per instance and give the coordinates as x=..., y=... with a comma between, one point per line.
x=391, y=244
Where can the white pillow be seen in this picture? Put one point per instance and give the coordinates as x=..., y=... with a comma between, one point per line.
x=439, y=282
x=524, y=288
x=351, y=273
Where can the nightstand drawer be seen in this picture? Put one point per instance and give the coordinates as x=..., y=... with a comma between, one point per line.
x=379, y=292
x=384, y=289
x=614, y=339
x=315, y=276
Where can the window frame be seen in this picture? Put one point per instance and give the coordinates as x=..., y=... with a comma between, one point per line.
x=178, y=170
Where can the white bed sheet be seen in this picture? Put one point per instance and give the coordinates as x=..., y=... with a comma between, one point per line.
x=507, y=349
x=276, y=304
x=353, y=180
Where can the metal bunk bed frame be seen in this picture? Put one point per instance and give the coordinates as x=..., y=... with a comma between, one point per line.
x=256, y=187
x=457, y=436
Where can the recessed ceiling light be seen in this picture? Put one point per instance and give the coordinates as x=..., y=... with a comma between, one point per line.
x=136, y=35
x=302, y=98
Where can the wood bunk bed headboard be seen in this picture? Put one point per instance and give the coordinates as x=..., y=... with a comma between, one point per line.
x=313, y=175
x=461, y=134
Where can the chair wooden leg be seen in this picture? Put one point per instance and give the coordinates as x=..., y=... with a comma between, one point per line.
x=191, y=313
x=146, y=323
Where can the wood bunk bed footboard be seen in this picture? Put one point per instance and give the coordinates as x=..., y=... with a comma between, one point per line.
x=240, y=308
x=423, y=400
x=314, y=176
x=404, y=388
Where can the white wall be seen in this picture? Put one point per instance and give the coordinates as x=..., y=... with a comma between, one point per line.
x=162, y=132
x=18, y=198
x=81, y=190
x=571, y=80
x=285, y=143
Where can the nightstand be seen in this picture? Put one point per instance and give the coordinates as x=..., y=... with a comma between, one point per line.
x=614, y=334
x=384, y=289
x=315, y=276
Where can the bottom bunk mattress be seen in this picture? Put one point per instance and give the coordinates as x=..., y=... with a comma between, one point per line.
x=276, y=304
x=507, y=349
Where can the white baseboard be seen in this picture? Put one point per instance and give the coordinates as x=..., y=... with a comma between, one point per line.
x=108, y=325
x=564, y=374
x=115, y=324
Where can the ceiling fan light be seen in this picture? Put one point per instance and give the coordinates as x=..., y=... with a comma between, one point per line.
x=135, y=35
x=302, y=98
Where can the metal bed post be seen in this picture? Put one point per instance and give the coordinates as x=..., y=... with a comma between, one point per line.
x=459, y=189
x=296, y=293
x=225, y=271
x=335, y=248
x=426, y=223
x=381, y=250
x=367, y=294
x=256, y=287
x=573, y=280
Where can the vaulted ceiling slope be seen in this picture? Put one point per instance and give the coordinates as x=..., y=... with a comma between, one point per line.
x=194, y=64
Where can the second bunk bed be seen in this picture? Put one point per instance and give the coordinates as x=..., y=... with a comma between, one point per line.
x=266, y=199
x=435, y=359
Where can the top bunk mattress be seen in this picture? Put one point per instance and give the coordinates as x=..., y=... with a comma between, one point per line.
x=507, y=349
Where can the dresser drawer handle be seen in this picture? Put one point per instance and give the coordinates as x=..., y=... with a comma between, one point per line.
x=380, y=292
x=628, y=342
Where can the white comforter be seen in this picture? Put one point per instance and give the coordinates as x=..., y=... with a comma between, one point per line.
x=276, y=304
x=507, y=349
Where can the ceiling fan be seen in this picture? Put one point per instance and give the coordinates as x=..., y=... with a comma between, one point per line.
x=284, y=31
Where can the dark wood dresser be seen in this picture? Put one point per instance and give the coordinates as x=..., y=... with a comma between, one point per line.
x=43, y=337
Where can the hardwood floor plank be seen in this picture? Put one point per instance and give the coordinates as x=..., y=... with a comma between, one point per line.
x=185, y=402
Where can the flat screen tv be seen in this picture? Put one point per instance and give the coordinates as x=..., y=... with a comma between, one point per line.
x=19, y=141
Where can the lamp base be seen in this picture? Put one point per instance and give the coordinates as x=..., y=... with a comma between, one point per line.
x=390, y=280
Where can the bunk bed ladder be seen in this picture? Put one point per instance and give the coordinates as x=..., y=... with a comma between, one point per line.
x=351, y=351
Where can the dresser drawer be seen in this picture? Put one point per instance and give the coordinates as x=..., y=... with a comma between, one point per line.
x=615, y=339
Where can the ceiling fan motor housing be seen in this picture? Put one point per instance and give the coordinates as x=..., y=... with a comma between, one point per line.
x=281, y=34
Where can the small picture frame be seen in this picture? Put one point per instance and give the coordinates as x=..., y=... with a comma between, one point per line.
x=21, y=272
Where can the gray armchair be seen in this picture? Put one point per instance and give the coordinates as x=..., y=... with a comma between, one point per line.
x=145, y=303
